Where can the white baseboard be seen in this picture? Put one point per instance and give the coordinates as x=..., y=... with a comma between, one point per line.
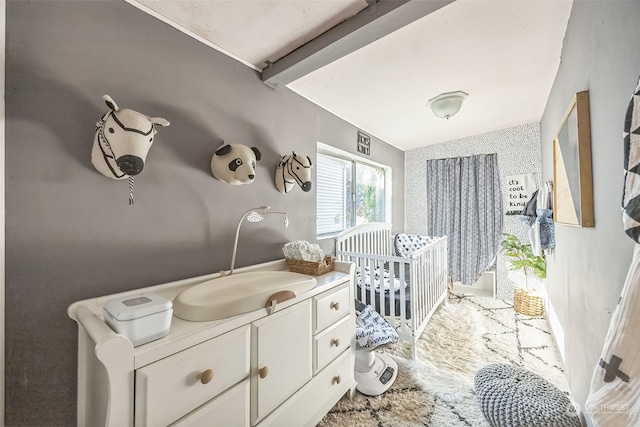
x=486, y=286
x=556, y=329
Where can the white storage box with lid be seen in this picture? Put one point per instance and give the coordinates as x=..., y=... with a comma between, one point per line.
x=141, y=318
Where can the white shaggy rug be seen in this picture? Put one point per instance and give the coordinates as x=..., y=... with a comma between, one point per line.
x=464, y=335
x=448, y=353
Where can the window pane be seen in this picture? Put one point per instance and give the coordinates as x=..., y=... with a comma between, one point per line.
x=369, y=194
x=332, y=188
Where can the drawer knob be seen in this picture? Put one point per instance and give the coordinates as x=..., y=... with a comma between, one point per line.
x=206, y=376
x=336, y=380
x=335, y=305
x=263, y=372
x=335, y=342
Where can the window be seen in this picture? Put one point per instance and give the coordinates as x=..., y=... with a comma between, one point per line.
x=350, y=191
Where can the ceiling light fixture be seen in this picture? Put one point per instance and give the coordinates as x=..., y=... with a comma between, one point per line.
x=447, y=104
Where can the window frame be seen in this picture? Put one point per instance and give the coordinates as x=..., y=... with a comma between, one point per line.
x=331, y=151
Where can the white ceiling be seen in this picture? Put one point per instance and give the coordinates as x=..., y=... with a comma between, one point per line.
x=503, y=53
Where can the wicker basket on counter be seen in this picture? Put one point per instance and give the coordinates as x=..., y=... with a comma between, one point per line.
x=526, y=303
x=312, y=268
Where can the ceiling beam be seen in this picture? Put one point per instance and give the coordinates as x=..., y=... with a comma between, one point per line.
x=370, y=24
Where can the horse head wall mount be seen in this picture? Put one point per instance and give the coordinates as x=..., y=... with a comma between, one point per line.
x=121, y=142
x=293, y=169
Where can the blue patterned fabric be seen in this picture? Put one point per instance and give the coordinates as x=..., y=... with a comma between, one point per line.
x=464, y=203
x=547, y=229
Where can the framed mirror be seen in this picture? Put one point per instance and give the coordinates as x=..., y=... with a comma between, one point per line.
x=572, y=170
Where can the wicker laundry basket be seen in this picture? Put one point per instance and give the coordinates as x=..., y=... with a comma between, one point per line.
x=526, y=303
x=312, y=268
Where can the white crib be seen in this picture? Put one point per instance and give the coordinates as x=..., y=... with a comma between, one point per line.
x=405, y=290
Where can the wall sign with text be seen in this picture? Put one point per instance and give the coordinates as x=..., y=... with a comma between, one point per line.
x=364, y=143
x=518, y=191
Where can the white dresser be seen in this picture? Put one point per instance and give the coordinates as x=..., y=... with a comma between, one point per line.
x=287, y=368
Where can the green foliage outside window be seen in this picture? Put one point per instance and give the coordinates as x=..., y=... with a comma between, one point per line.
x=367, y=203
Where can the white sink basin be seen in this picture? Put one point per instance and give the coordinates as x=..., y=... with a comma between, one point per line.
x=237, y=294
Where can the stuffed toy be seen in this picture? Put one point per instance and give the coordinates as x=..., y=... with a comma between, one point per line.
x=293, y=169
x=121, y=142
x=235, y=163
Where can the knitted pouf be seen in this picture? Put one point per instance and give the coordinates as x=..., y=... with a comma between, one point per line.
x=510, y=396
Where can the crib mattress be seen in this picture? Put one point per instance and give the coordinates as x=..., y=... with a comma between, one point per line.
x=387, y=301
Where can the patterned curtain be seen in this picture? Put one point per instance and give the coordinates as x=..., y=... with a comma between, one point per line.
x=464, y=202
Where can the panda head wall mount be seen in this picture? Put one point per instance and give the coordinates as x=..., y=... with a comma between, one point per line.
x=235, y=163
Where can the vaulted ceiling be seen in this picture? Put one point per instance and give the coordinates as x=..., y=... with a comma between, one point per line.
x=376, y=63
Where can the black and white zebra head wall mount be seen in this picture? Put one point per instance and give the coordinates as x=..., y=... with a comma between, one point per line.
x=122, y=140
x=291, y=170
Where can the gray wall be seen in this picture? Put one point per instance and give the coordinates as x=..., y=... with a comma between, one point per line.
x=70, y=233
x=589, y=265
x=518, y=150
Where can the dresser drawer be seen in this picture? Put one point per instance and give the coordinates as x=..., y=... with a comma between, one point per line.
x=307, y=407
x=230, y=409
x=282, y=357
x=330, y=343
x=172, y=387
x=330, y=306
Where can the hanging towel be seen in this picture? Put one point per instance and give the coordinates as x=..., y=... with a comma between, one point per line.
x=615, y=386
x=528, y=215
x=631, y=163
